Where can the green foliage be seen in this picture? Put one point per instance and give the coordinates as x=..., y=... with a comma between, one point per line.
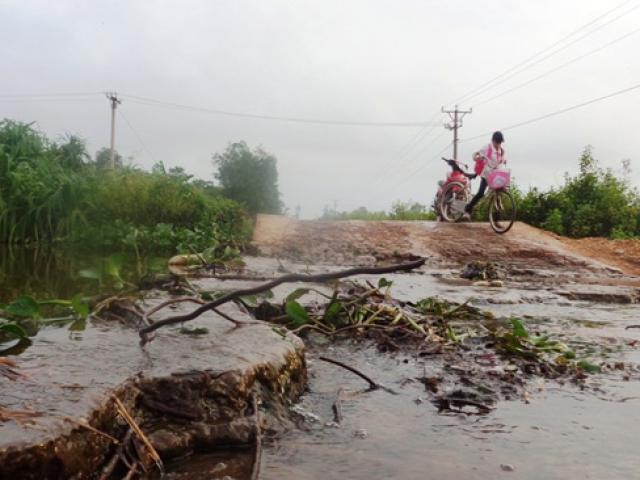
x=296, y=313
x=595, y=202
x=399, y=211
x=23, y=307
x=25, y=315
x=249, y=177
x=11, y=329
x=52, y=192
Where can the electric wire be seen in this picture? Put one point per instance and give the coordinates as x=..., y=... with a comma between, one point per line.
x=507, y=77
x=136, y=134
x=421, y=167
x=524, y=64
x=559, y=67
x=558, y=112
x=183, y=107
x=36, y=96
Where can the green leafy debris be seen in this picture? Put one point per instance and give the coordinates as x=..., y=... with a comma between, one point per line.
x=296, y=313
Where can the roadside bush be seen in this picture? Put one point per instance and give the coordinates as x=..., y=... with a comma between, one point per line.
x=595, y=202
x=53, y=192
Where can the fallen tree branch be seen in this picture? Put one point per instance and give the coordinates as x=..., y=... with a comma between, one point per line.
x=172, y=301
x=322, y=277
x=372, y=384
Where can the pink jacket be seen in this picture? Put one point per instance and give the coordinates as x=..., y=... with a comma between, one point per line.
x=489, y=157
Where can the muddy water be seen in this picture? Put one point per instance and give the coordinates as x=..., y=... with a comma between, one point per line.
x=559, y=431
x=562, y=433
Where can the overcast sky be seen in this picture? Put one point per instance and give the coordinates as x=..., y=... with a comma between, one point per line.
x=346, y=60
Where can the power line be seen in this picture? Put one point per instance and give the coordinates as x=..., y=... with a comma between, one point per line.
x=36, y=96
x=558, y=112
x=505, y=78
x=559, y=67
x=417, y=170
x=31, y=100
x=400, y=155
x=480, y=89
x=137, y=135
x=178, y=106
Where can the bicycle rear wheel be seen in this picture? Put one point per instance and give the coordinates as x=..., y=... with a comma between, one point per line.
x=502, y=211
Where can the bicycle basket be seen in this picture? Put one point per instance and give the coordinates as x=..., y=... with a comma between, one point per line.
x=499, y=179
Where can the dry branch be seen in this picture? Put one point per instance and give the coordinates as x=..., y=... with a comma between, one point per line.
x=372, y=384
x=322, y=277
x=139, y=433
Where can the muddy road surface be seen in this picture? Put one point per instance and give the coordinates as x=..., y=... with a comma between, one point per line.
x=356, y=242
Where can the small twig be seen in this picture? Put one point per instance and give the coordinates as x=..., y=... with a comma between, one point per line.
x=172, y=301
x=457, y=309
x=255, y=471
x=109, y=467
x=631, y=326
x=139, y=433
x=372, y=385
x=248, y=278
x=337, y=406
x=91, y=429
x=237, y=323
x=132, y=471
x=197, y=254
x=144, y=332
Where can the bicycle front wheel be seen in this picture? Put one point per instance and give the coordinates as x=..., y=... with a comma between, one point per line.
x=502, y=211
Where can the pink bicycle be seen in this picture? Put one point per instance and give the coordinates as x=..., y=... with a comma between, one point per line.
x=455, y=193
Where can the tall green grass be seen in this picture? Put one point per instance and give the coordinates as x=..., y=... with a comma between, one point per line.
x=53, y=192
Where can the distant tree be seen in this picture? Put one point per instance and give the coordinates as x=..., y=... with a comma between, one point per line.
x=103, y=159
x=249, y=177
x=72, y=153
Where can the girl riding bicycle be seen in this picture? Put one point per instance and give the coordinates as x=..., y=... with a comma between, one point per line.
x=487, y=159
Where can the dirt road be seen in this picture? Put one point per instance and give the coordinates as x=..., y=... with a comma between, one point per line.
x=362, y=242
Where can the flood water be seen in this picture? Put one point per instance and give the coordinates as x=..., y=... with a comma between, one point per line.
x=560, y=431
x=563, y=433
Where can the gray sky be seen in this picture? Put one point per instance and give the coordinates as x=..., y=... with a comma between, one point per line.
x=349, y=60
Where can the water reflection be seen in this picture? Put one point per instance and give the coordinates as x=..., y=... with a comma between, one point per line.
x=48, y=272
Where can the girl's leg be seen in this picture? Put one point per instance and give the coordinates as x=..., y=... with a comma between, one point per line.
x=477, y=197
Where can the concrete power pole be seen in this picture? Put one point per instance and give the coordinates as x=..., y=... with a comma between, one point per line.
x=113, y=98
x=456, y=122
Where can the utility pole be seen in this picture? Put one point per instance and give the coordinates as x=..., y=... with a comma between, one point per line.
x=456, y=117
x=115, y=101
